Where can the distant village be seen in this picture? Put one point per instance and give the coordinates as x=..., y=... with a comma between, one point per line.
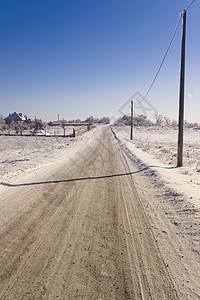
x=18, y=123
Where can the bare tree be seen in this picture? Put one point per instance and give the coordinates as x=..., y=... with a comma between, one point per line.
x=140, y=120
x=1, y=119
x=158, y=119
x=2, y=122
x=174, y=123
x=104, y=120
x=63, y=122
x=39, y=125
x=90, y=120
x=167, y=121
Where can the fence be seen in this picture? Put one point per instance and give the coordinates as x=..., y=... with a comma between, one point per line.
x=77, y=132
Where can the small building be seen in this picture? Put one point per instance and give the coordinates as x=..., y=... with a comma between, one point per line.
x=17, y=117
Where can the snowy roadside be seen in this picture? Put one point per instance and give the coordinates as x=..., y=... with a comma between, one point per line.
x=156, y=148
x=170, y=198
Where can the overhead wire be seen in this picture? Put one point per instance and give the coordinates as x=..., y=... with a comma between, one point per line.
x=162, y=62
x=190, y=5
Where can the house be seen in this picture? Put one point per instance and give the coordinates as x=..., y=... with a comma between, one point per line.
x=17, y=117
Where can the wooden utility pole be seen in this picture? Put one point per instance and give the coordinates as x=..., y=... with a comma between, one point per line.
x=181, y=94
x=131, y=119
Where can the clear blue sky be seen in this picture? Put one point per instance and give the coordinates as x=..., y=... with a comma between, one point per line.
x=78, y=58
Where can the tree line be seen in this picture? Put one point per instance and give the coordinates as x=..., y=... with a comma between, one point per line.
x=159, y=120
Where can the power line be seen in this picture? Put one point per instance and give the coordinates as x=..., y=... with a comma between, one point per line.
x=165, y=54
x=162, y=59
x=189, y=5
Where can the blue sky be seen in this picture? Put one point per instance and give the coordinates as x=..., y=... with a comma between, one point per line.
x=78, y=58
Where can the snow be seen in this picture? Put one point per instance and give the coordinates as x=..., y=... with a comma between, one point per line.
x=157, y=149
x=21, y=155
x=48, y=131
x=169, y=195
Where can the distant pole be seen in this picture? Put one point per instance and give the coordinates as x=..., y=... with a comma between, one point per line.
x=181, y=95
x=131, y=119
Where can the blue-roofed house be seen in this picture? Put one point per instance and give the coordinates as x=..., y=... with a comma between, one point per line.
x=17, y=117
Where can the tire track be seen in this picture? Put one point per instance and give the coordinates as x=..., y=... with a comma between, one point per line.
x=85, y=239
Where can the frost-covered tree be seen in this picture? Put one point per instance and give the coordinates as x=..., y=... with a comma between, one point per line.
x=191, y=125
x=77, y=121
x=140, y=120
x=167, y=121
x=3, y=125
x=174, y=123
x=90, y=120
x=158, y=119
x=104, y=120
x=125, y=120
x=63, y=124
x=1, y=119
x=38, y=124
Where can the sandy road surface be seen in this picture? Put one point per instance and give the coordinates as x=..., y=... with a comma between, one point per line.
x=80, y=233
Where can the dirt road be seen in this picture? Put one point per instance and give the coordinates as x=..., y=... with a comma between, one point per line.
x=80, y=233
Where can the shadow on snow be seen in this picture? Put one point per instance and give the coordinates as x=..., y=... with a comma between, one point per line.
x=82, y=178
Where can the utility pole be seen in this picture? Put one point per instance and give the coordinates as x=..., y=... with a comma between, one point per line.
x=181, y=94
x=131, y=119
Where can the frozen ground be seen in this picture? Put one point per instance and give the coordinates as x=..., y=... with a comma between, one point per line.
x=23, y=154
x=157, y=148
x=170, y=196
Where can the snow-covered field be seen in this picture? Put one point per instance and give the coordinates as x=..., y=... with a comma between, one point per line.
x=22, y=154
x=157, y=147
